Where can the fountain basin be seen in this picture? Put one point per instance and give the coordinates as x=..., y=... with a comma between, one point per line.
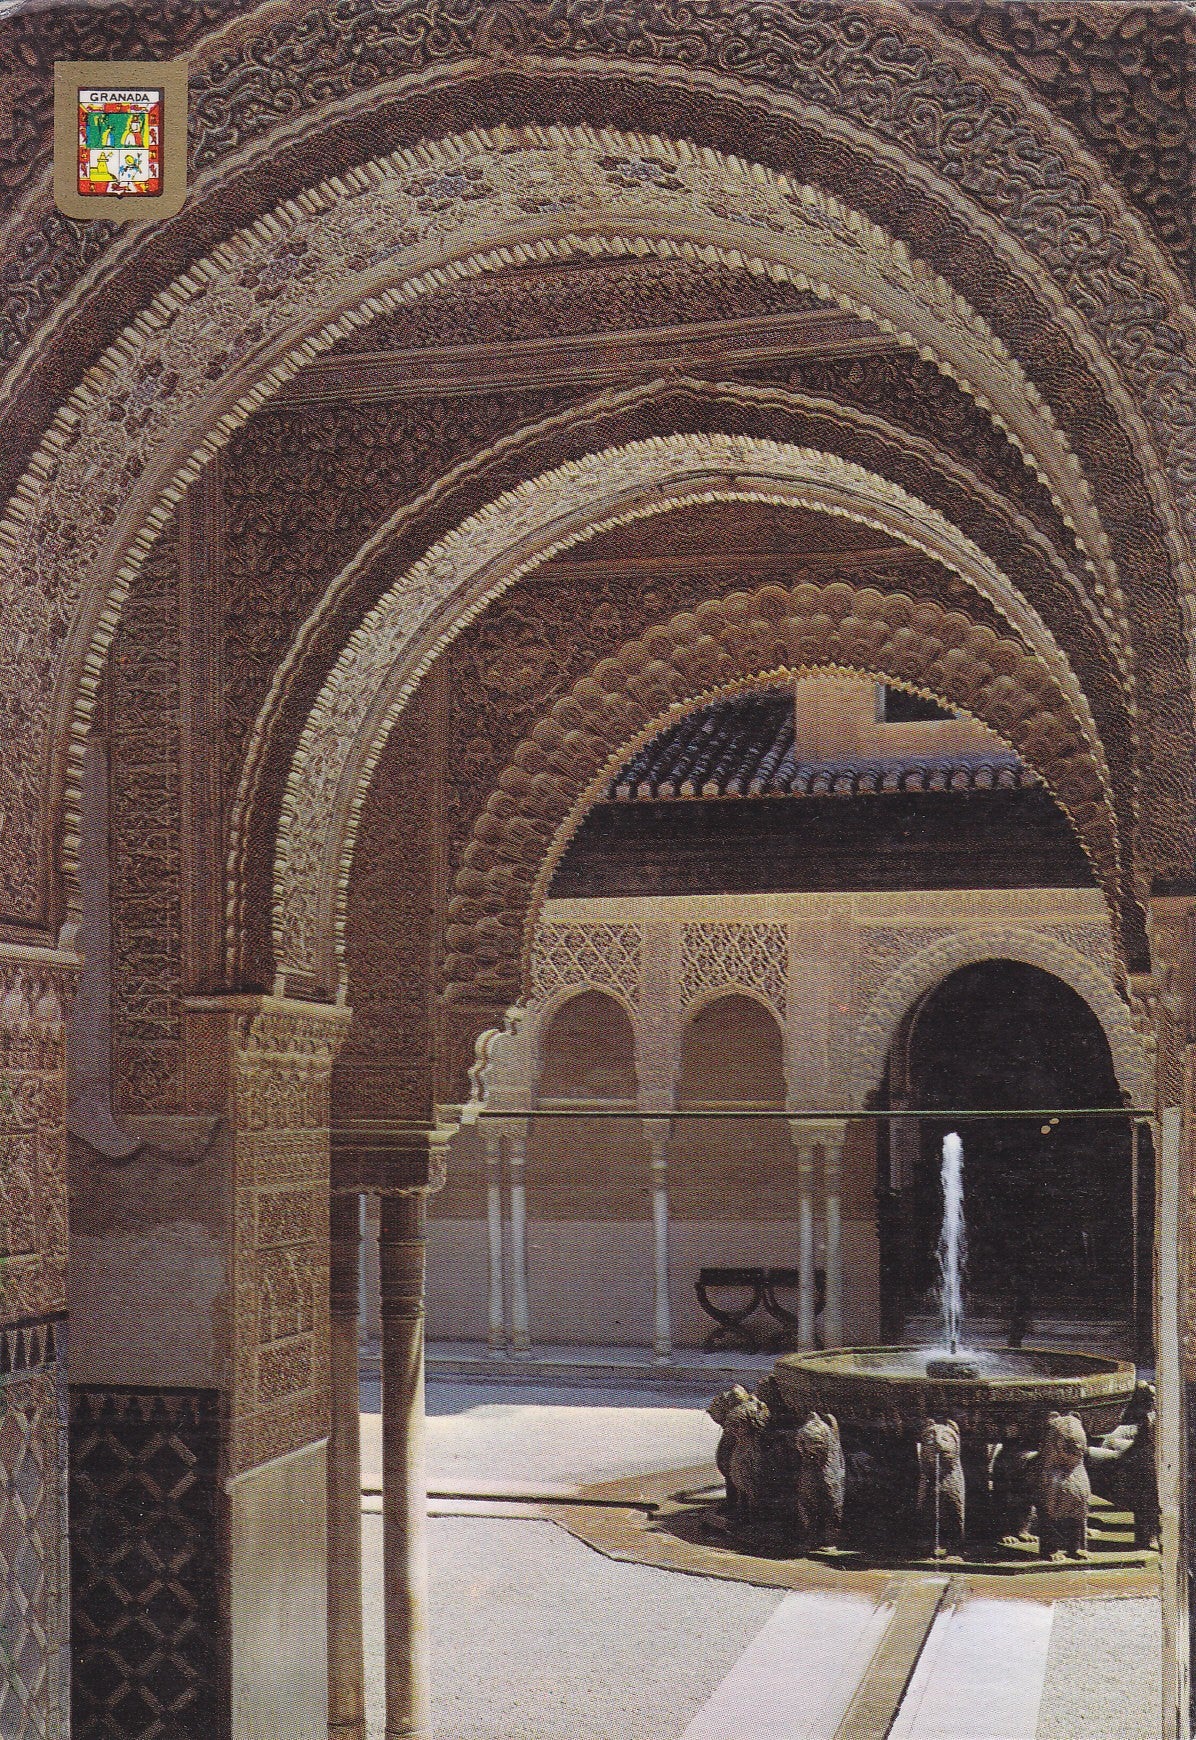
x=889, y=1390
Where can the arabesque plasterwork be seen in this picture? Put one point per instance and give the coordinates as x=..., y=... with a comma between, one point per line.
x=35, y=992
x=524, y=527
x=555, y=775
x=899, y=948
x=329, y=261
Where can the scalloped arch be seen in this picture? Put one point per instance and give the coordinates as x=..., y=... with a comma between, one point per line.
x=399, y=639
x=775, y=633
x=878, y=1026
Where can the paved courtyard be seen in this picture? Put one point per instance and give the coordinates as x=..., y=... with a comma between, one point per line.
x=538, y=1636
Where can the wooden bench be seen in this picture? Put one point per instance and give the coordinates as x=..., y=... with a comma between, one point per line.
x=761, y=1286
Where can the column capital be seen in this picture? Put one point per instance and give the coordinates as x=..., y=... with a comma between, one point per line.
x=1171, y=929
x=390, y=1156
x=807, y=1129
x=268, y=1023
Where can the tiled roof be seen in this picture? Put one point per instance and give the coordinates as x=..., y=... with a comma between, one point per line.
x=744, y=747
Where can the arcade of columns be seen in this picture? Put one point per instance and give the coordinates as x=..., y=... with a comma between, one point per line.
x=893, y=277
x=840, y=976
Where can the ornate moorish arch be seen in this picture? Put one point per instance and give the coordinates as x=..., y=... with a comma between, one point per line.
x=1018, y=530
x=727, y=643
x=879, y=1023
x=399, y=639
x=230, y=331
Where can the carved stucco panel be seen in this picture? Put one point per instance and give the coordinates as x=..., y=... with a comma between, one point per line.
x=579, y=956
x=281, y=1065
x=750, y=956
x=35, y=991
x=149, y=416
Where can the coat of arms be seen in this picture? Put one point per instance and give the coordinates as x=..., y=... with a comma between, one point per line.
x=120, y=138
x=120, y=142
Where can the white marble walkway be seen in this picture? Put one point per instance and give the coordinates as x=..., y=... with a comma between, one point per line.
x=796, y=1678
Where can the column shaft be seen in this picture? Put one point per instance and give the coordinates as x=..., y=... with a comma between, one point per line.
x=496, y=1310
x=346, y=1664
x=805, y=1242
x=832, y=1321
x=521, y=1338
x=404, y=1495
x=662, y=1327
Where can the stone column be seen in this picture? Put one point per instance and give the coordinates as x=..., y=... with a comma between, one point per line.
x=521, y=1339
x=36, y=987
x=662, y=1330
x=804, y=1143
x=832, y=1173
x=346, y=1665
x=267, y=1061
x=404, y=1490
x=1165, y=1004
x=496, y=1308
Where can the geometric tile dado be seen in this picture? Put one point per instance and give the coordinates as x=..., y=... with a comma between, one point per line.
x=33, y=1668
x=143, y=1518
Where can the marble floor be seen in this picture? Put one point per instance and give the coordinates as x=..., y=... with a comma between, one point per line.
x=537, y=1636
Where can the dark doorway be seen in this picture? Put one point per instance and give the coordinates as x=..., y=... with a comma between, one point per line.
x=1048, y=1203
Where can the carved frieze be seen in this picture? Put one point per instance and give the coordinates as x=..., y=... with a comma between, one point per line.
x=145, y=825
x=34, y=993
x=280, y=1064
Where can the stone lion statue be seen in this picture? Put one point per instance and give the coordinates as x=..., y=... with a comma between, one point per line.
x=739, y=1457
x=1062, y=1489
x=941, y=1488
x=1122, y=1466
x=821, y=1479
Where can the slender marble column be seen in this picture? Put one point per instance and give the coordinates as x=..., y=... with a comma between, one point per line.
x=662, y=1328
x=404, y=1491
x=832, y=1173
x=497, y=1336
x=521, y=1339
x=805, y=1234
x=346, y=1664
